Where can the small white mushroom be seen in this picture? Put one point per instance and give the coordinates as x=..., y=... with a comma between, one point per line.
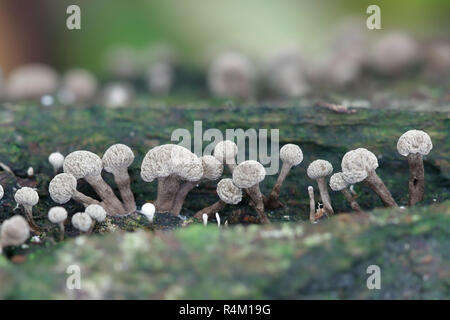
x=117, y=94
x=414, y=144
x=97, y=214
x=82, y=221
x=205, y=219
x=148, y=210
x=291, y=155
x=231, y=74
x=338, y=183
x=30, y=172
x=248, y=175
x=226, y=152
x=88, y=166
x=318, y=170
x=14, y=232
x=359, y=165
x=116, y=160
x=2, y=192
x=312, y=205
x=63, y=187
x=56, y=159
x=228, y=194
x=58, y=215
x=218, y=219
x=28, y=198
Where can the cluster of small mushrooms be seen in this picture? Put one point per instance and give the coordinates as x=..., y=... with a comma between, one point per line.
x=178, y=171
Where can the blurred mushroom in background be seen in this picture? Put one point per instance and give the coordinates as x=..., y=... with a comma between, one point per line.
x=122, y=62
x=117, y=94
x=159, y=64
x=437, y=59
x=78, y=85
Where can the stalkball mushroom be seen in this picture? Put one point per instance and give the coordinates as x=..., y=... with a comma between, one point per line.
x=82, y=221
x=338, y=183
x=170, y=164
x=97, y=214
x=226, y=152
x=359, y=165
x=414, y=144
x=80, y=84
x=247, y=175
x=56, y=159
x=14, y=232
x=58, y=215
x=212, y=170
x=148, y=210
x=318, y=170
x=312, y=205
x=291, y=155
x=2, y=192
x=88, y=166
x=63, y=187
x=205, y=219
x=28, y=198
x=116, y=160
x=228, y=194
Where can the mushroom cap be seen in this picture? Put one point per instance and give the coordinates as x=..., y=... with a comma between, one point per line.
x=319, y=168
x=56, y=159
x=414, y=141
x=291, y=154
x=62, y=187
x=117, y=157
x=96, y=212
x=212, y=168
x=205, y=218
x=167, y=159
x=228, y=192
x=337, y=182
x=57, y=214
x=82, y=164
x=81, y=221
x=226, y=151
x=14, y=231
x=2, y=192
x=26, y=196
x=248, y=173
x=148, y=209
x=356, y=165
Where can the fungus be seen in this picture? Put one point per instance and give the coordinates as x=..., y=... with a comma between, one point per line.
x=148, y=210
x=231, y=74
x=228, y=194
x=291, y=155
x=14, y=232
x=338, y=183
x=56, y=159
x=414, y=144
x=160, y=76
x=117, y=94
x=80, y=84
x=170, y=164
x=218, y=219
x=88, y=166
x=82, y=221
x=58, y=215
x=116, y=160
x=212, y=170
x=63, y=187
x=30, y=172
x=318, y=170
x=248, y=175
x=2, y=192
x=205, y=219
x=312, y=205
x=226, y=152
x=359, y=165
x=97, y=214
x=28, y=198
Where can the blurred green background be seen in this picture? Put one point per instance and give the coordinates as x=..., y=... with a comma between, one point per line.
x=36, y=30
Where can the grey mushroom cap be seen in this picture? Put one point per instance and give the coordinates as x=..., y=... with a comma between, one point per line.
x=81, y=221
x=168, y=159
x=82, y=164
x=228, y=192
x=291, y=154
x=357, y=164
x=62, y=187
x=414, y=141
x=117, y=156
x=248, y=173
x=212, y=168
x=319, y=168
x=57, y=214
x=96, y=212
x=14, y=231
x=226, y=151
x=26, y=196
x=337, y=182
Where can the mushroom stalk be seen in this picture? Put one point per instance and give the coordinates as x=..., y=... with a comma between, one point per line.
x=29, y=213
x=167, y=190
x=312, y=204
x=416, y=178
x=272, y=201
x=324, y=195
x=106, y=194
x=351, y=200
x=255, y=194
x=84, y=199
x=91, y=228
x=181, y=196
x=122, y=179
x=374, y=182
x=211, y=210
x=61, y=231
